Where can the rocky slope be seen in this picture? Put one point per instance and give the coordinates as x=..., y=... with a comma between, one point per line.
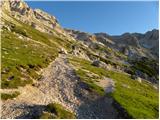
x=36, y=18
x=90, y=75
x=130, y=44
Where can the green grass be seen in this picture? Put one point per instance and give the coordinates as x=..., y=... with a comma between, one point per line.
x=46, y=115
x=60, y=111
x=15, y=83
x=85, y=64
x=140, y=100
x=5, y=96
x=21, y=58
x=90, y=82
x=19, y=31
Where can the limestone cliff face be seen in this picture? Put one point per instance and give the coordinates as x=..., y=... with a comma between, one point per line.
x=46, y=19
x=36, y=18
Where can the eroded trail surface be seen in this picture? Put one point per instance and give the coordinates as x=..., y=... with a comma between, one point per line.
x=59, y=84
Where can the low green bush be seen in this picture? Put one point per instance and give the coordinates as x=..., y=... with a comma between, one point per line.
x=5, y=96
x=60, y=111
x=14, y=83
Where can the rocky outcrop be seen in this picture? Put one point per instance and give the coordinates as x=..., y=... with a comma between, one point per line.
x=37, y=18
x=104, y=38
x=82, y=36
x=151, y=41
x=47, y=19
x=101, y=64
x=127, y=39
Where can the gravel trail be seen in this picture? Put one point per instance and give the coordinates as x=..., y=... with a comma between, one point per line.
x=59, y=84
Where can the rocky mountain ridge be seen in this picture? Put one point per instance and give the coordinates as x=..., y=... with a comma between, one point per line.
x=131, y=44
x=36, y=18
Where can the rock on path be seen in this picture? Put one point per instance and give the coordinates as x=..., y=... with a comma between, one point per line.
x=107, y=84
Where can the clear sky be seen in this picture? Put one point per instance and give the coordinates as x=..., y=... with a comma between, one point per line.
x=113, y=17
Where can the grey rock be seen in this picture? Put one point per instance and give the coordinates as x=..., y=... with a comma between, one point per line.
x=96, y=63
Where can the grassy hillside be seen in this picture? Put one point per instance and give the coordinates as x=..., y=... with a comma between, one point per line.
x=140, y=100
x=25, y=51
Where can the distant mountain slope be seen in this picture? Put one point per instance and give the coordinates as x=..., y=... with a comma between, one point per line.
x=130, y=44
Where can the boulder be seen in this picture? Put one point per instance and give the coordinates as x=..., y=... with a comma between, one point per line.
x=108, y=67
x=125, y=51
x=20, y=37
x=11, y=77
x=133, y=77
x=139, y=79
x=96, y=63
x=5, y=70
x=62, y=51
x=6, y=27
x=101, y=64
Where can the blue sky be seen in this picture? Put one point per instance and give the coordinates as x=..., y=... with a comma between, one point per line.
x=113, y=17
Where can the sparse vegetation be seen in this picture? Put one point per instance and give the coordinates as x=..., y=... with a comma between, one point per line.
x=90, y=82
x=46, y=115
x=5, y=96
x=15, y=83
x=59, y=111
